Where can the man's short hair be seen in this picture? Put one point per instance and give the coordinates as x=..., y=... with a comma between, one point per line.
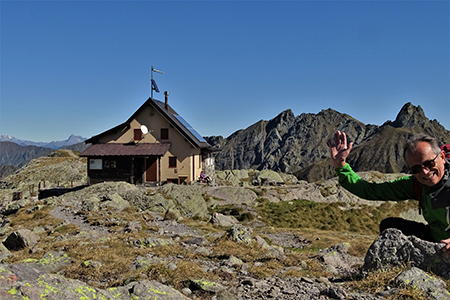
x=411, y=144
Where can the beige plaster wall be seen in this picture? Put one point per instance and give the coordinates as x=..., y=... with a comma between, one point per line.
x=188, y=161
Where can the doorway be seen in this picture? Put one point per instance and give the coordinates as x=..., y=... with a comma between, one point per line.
x=151, y=169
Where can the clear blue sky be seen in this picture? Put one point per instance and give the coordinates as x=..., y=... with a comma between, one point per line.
x=82, y=67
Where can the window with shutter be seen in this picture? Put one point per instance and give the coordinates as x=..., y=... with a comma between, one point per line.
x=164, y=133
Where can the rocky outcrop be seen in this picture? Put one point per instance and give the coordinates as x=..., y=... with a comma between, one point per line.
x=16, y=283
x=393, y=249
x=187, y=201
x=45, y=173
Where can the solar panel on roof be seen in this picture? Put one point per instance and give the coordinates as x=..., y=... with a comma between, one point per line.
x=190, y=128
x=154, y=86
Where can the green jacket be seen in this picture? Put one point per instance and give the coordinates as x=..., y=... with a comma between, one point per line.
x=397, y=190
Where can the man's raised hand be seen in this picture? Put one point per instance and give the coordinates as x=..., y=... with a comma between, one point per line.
x=339, y=149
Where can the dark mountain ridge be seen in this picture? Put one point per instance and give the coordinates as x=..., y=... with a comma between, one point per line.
x=16, y=155
x=297, y=145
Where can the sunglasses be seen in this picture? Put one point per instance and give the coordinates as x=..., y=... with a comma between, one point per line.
x=426, y=164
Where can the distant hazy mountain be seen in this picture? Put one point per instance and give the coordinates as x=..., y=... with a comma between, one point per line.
x=72, y=140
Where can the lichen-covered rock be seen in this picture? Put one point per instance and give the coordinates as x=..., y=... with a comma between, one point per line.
x=14, y=206
x=393, y=248
x=4, y=252
x=231, y=195
x=152, y=242
x=55, y=287
x=53, y=261
x=92, y=264
x=114, y=201
x=289, y=178
x=151, y=200
x=152, y=289
x=240, y=234
x=268, y=177
x=335, y=292
x=274, y=251
x=204, y=286
x=142, y=262
x=91, y=203
x=233, y=176
x=338, y=261
x=434, y=287
x=199, y=241
x=232, y=261
x=188, y=200
x=111, y=201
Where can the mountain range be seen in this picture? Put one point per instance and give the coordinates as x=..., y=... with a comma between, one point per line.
x=73, y=139
x=292, y=144
x=15, y=153
x=298, y=144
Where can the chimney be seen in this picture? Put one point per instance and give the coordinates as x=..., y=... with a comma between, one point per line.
x=166, y=104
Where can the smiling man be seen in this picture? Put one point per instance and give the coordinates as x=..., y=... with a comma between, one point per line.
x=429, y=183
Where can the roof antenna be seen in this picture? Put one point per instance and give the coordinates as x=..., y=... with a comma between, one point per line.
x=154, y=87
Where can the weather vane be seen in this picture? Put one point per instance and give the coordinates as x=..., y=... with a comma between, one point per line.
x=154, y=87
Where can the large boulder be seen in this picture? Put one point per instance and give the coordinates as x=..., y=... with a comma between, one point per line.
x=268, y=177
x=222, y=220
x=185, y=200
x=21, y=239
x=14, y=206
x=240, y=234
x=231, y=195
x=107, y=202
x=188, y=199
x=114, y=201
x=152, y=200
x=393, y=249
x=233, y=176
x=337, y=260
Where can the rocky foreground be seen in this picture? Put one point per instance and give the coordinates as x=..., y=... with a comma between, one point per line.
x=232, y=259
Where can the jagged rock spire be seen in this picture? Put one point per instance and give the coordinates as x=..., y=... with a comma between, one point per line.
x=409, y=116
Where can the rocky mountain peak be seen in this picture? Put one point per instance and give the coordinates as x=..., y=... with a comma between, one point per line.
x=409, y=116
x=281, y=122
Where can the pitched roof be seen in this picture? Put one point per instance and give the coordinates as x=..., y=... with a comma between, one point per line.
x=174, y=119
x=116, y=149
